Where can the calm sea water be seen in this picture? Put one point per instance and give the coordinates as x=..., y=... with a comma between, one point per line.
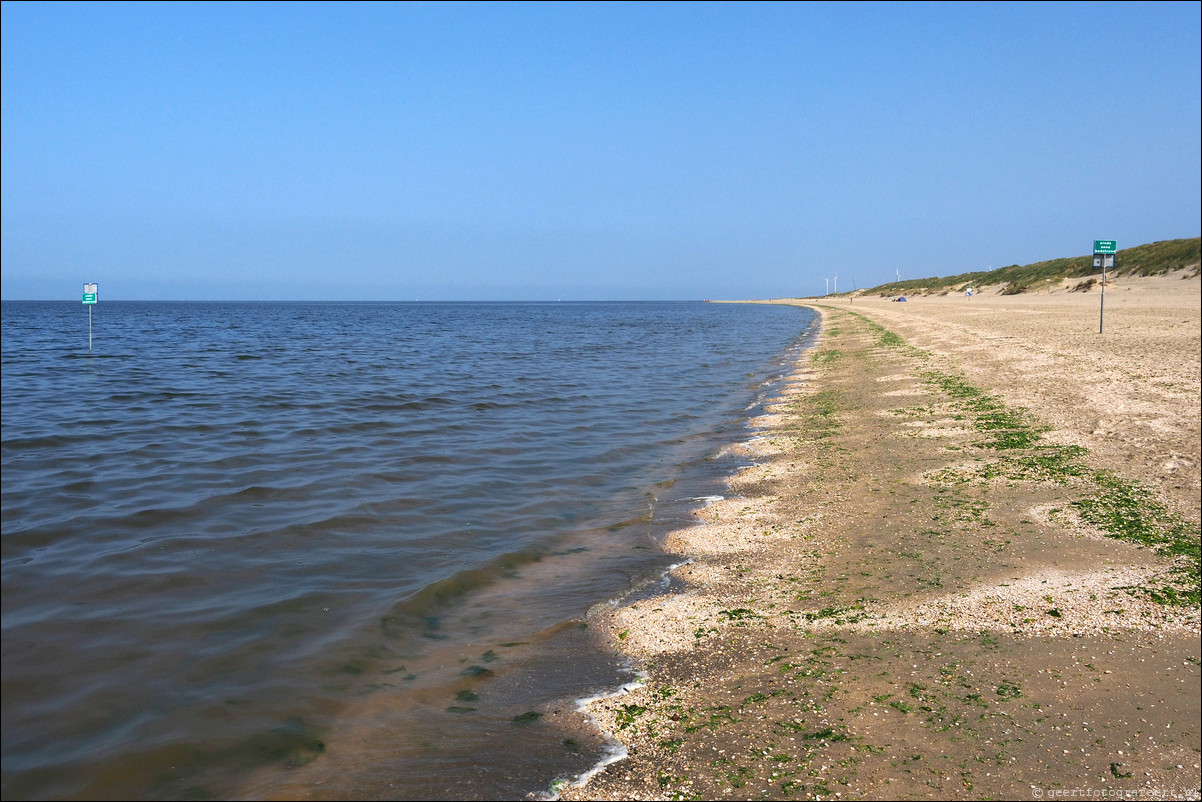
x=343, y=550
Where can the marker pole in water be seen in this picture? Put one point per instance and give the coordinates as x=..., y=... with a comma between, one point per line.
x=89, y=299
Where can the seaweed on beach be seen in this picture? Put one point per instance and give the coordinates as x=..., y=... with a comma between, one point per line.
x=1125, y=510
x=1121, y=508
x=1118, y=507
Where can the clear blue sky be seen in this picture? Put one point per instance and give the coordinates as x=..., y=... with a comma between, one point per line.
x=583, y=151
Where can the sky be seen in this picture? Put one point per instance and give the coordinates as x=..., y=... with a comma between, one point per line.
x=591, y=151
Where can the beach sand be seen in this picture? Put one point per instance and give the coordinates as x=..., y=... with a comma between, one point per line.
x=902, y=600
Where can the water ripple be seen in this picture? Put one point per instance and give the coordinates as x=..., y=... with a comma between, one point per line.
x=232, y=525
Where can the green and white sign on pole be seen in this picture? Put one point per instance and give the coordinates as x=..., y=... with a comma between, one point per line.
x=1103, y=257
x=89, y=299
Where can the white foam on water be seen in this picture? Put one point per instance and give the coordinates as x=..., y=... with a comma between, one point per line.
x=614, y=751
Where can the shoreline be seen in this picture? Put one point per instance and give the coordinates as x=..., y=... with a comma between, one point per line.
x=884, y=607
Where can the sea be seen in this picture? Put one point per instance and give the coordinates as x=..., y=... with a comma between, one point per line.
x=347, y=550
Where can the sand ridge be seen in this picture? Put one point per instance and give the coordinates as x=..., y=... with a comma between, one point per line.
x=867, y=615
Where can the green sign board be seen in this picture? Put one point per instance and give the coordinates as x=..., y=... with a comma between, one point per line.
x=89, y=297
x=1104, y=246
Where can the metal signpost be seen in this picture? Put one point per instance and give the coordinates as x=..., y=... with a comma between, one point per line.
x=89, y=299
x=1103, y=257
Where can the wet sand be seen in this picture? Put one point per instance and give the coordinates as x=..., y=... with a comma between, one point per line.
x=890, y=604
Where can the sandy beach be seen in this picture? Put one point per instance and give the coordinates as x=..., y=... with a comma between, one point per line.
x=951, y=572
